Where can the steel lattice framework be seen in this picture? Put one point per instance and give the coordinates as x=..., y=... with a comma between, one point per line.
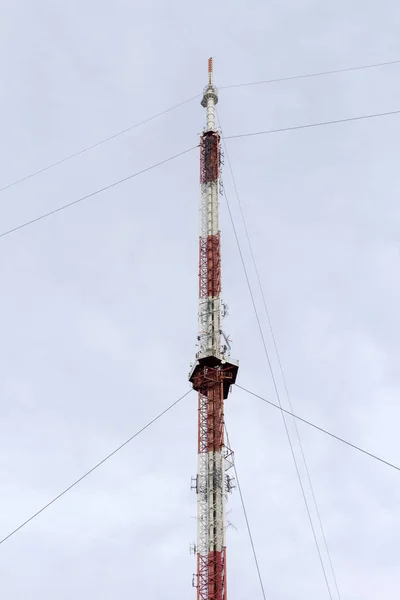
x=213, y=372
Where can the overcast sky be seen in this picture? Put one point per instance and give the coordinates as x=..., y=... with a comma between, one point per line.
x=99, y=302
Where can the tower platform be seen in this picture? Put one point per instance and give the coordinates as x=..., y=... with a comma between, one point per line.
x=210, y=369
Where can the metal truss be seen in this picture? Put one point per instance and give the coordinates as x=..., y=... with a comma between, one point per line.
x=211, y=484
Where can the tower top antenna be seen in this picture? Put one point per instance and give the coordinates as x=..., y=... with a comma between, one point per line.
x=210, y=71
x=210, y=98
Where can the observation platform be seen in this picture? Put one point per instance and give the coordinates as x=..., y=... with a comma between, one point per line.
x=214, y=370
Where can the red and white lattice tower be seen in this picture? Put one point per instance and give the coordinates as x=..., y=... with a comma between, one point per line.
x=213, y=371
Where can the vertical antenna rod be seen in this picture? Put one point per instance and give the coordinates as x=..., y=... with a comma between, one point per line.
x=213, y=372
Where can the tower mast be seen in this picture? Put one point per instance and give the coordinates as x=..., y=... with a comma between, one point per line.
x=213, y=371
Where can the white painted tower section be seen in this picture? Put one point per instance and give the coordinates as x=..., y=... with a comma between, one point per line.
x=210, y=309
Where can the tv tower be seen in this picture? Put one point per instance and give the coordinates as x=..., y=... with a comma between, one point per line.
x=213, y=372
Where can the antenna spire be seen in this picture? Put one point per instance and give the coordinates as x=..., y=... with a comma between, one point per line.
x=210, y=99
x=210, y=71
